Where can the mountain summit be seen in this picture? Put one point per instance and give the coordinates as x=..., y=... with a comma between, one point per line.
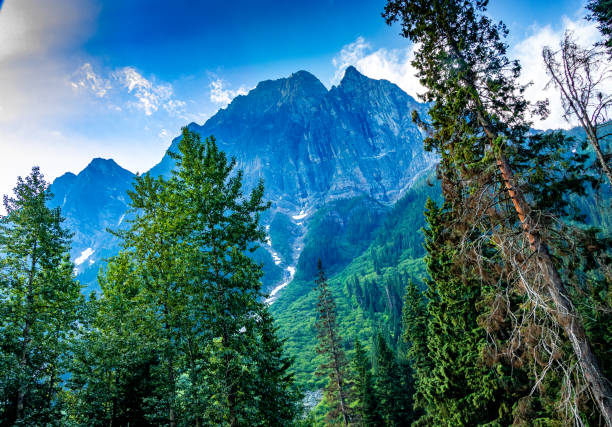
x=310, y=145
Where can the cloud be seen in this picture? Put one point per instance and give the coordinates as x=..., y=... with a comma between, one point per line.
x=149, y=96
x=529, y=53
x=389, y=64
x=86, y=78
x=128, y=86
x=221, y=96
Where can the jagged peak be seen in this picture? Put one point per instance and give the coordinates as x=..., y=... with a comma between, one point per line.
x=66, y=176
x=351, y=74
x=105, y=166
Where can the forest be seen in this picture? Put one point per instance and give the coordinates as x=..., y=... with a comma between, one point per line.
x=483, y=297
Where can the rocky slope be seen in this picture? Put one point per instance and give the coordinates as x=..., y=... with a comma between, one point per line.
x=310, y=145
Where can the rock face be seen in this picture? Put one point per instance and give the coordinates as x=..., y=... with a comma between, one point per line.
x=93, y=201
x=310, y=145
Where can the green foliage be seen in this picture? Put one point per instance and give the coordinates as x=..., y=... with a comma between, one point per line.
x=601, y=11
x=367, y=298
x=182, y=316
x=365, y=405
x=338, y=233
x=335, y=364
x=39, y=305
x=393, y=385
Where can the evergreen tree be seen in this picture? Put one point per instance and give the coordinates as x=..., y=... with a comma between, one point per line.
x=454, y=385
x=477, y=123
x=415, y=320
x=183, y=302
x=366, y=409
x=393, y=384
x=39, y=305
x=330, y=346
x=602, y=13
x=276, y=394
x=113, y=361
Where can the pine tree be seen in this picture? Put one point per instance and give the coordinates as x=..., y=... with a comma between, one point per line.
x=366, y=409
x=277, y=395
x=415, y=321
x=184, y=301
x=477, y=123
x=39, y=305
x=330, y=346
x=602, y=13
x=454, y=385
x=393, y=384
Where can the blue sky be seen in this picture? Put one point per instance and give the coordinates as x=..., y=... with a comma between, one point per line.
x=118, y=78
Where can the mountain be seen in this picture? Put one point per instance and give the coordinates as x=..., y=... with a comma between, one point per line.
x=93, y=201
x=310, y=145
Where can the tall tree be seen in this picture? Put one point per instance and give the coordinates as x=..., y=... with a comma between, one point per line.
x=366, y=407
x=415, y=321
x=39, y=304
x=393, y=384
x=601, y=11
x=331, y=347
x=581, y=75
x=477, y=119
x=184, y=299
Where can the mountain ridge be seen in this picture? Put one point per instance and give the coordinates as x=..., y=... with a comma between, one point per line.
x=310, y=145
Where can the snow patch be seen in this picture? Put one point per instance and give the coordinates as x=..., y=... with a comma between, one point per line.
x=301, y=215
x=83, y=257
x=273, y=295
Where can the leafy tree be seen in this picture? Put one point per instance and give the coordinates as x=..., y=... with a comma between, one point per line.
x=477, y=123
x=330, y=345
x=114, y=359
x=39, y=305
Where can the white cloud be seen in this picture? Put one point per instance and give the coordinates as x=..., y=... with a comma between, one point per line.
x=390, y=64
x=222, y=96
x=86, y=78
x=529, y=53
x=149, y=96
x=130, y=87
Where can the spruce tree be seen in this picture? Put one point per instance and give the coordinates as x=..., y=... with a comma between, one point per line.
x=39, y=305
x=184, y=300
x=366, y=408
x=601, y=11
x=478, y=120
x=415, y=321
x=331, y=347
x=393, y=384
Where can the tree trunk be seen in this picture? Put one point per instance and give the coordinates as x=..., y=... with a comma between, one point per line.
x=565, y=312
x=592, y=135
x=26, y=329
x=339, y=384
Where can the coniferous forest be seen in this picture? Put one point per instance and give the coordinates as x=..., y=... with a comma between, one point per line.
x=480, y=297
